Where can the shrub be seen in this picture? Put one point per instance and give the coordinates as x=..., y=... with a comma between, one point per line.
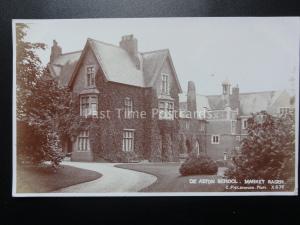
x=198, y=165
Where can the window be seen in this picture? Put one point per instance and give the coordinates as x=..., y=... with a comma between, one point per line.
x=215, y=139
x=83, y=143
x=202, y=126
x=238, y=138
x=284, y=110
x=237, y=148
x=89, y=106
x=90, y=76
x=166, y=109
x=128, y=108
x=128, y=140
x=187, y=124
x=165, y=84
x=225, y=156
x=260, y=118
x=198, y=148
x=233, y=127
x=244, y=124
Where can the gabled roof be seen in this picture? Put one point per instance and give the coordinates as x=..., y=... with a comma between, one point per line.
x=257, y=101
x=116, y=64
x=152, y=65
x=152, y=62
x=63, y=66
x=249, y=102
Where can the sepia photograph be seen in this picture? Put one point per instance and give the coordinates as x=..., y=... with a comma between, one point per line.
x=203, y=106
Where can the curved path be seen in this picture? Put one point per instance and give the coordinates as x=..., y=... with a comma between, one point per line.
x=113, y=180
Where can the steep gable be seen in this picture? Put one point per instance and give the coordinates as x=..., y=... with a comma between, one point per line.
x=116, y=64
x=63, y=67
x=156, y=62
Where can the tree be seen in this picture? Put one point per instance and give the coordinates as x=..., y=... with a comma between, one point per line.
x=268, y=150
x=45, y=110
x=28, y=68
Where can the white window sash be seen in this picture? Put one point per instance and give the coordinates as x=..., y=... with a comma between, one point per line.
x=166, y=110
x=89, y=105
x=83, y=142
x=215, y=139
x=128, y=141
x=90, y=76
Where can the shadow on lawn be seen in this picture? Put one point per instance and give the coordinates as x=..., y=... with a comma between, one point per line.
x=43, y=179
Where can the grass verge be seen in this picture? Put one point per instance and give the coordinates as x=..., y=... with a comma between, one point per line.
x=43, y=179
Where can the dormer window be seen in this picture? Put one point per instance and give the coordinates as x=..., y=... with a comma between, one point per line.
x=165, y=84
x=90, y=76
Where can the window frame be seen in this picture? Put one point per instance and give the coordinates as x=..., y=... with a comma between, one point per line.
x=128, y=140
x=83, y=141
x=213, y=139
x=286, y=110
x=244, y=124
x=89, y=105
x=128, y=108
x=90, y=76
x=166, y=112
x=187, y=124
x=165, y=86
x=233, y=127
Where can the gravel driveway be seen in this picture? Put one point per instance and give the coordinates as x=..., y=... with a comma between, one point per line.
x=113, y=180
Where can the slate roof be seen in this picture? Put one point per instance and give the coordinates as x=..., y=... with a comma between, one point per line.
x=116, y=64
x=249, y=102
x=152, y=62
x=63, y=67
x=258, y=101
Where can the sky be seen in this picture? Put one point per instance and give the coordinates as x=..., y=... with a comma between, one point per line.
x=257, y=54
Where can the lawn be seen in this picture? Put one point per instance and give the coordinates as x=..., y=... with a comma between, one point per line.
x=170, y=180
x=42, y=179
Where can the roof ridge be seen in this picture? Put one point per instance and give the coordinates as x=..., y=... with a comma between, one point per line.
x=105, y=43
x=67, y=53
x=259, y=92
x=159, y=50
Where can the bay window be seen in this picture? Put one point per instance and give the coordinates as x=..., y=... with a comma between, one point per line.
x=166, y=110
x=89, y=105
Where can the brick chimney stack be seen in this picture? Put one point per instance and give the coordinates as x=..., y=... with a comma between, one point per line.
x=130, y=44
x=55, y=51
x=191, y=98
x=235, y=97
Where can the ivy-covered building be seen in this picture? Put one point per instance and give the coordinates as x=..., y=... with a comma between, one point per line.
x=132, y=108
x=126, y=100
